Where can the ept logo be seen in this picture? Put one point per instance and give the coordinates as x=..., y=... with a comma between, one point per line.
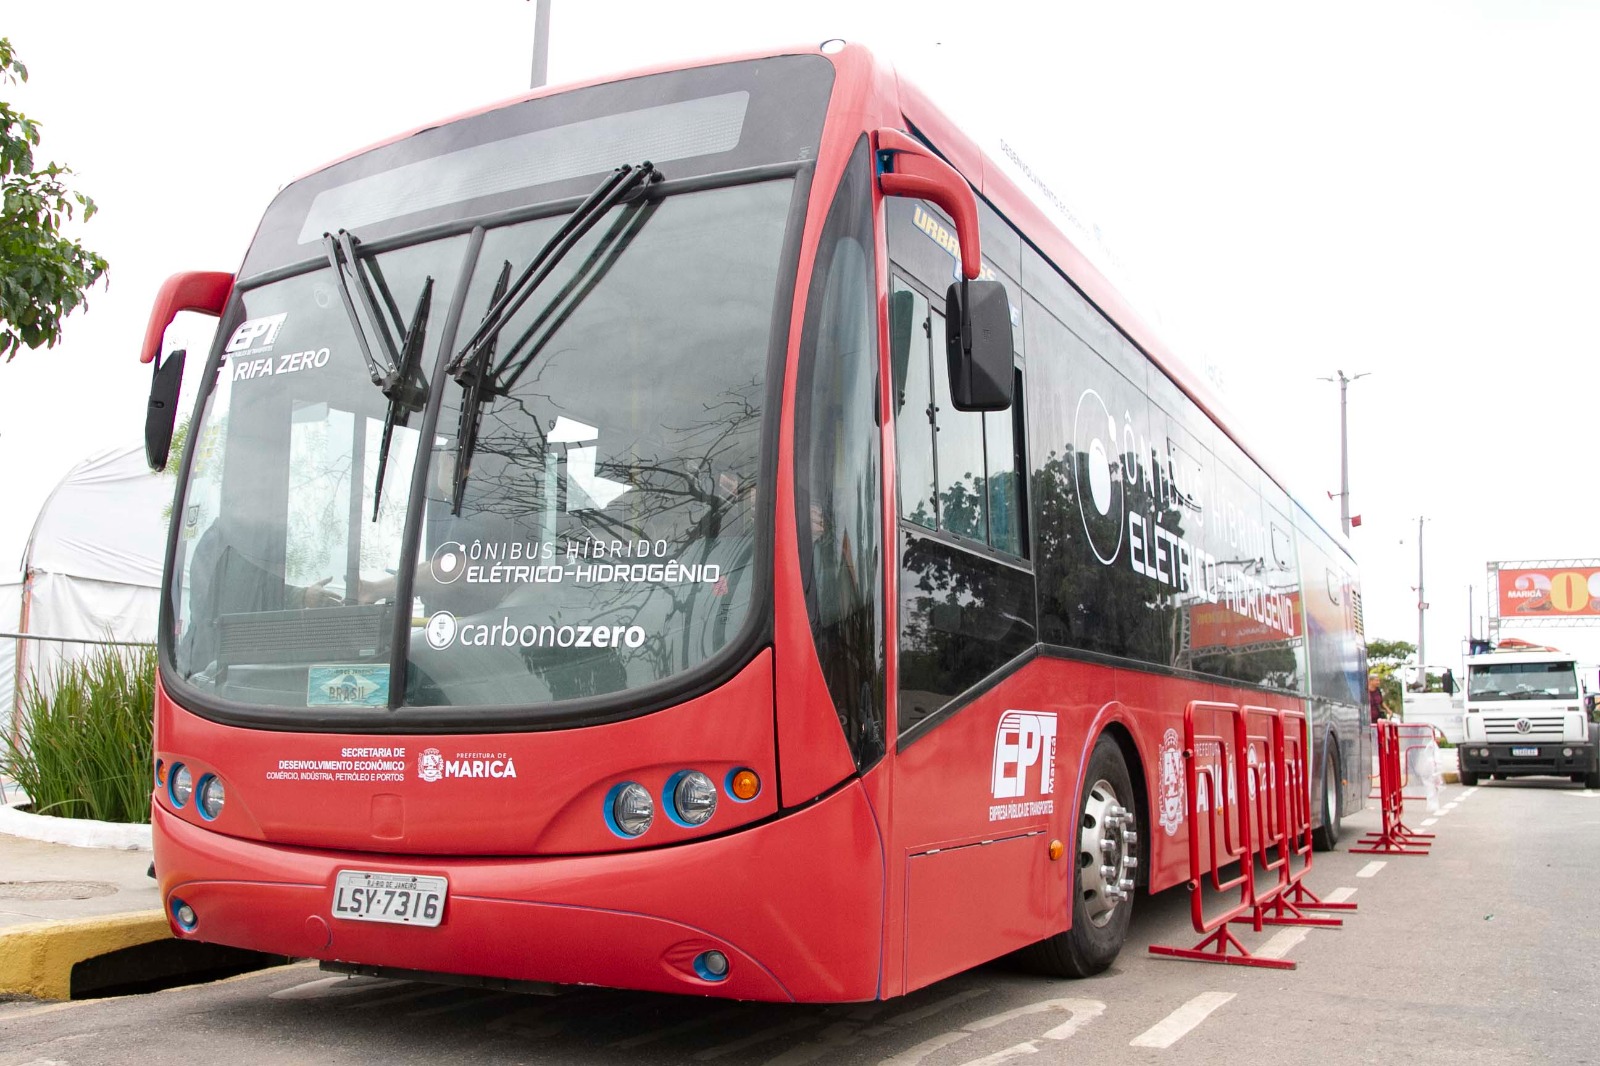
x=255, y=333
x=1022, y=741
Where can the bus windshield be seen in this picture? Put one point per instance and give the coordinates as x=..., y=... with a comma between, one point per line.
x=1522, y=681
x=601, y=535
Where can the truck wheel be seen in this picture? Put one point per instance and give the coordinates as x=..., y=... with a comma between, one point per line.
x=1325, y=837
x=1102, y=880
x=1469, y=778
x=1591, y=779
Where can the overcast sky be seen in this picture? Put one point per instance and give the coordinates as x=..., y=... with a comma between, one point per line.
x=1410, y=189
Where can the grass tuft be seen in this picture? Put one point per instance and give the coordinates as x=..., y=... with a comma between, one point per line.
x=83, y=750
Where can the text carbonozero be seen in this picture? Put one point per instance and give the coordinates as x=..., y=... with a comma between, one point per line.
x=507, y=634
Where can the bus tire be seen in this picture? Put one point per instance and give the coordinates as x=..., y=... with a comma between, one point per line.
x=1107, y=827
x=1325, y=837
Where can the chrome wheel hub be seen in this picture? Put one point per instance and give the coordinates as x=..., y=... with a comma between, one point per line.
x=1108, y=853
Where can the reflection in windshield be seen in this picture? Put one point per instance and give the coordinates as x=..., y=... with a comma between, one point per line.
x=1523, y=681
x=606, y=536
x=607, y=531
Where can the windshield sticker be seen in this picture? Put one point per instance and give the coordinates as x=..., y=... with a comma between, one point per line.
x=549, y=563
x=255, y=335
x=353, y=764
x=433, y=765
x=347, y=686
x=444, y=630
x=277, y=365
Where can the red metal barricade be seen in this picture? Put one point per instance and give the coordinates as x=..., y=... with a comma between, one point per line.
x=1395, y=837
x=1290, y=752
x=1240, y=794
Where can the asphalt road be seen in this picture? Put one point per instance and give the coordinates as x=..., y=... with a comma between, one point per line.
x=1485, y=951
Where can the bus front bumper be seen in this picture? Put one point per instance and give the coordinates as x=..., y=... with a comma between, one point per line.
x=791, y=927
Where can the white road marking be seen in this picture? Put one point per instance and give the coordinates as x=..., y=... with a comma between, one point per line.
x=1083, y=1011
x=680, y=1028
x=331, y=986
x=1451, y=806
x=1429, y=821
x=792, y=1026
x=1371, y=869
x=911, y=1017
x=1175, y=1026
x=834, y=1038
x=464, y=1001
x=1587, y=793
x=1441, y=812
x=1339, y=895
x=1281, y=942
x=398, y=997
x=1469, y=791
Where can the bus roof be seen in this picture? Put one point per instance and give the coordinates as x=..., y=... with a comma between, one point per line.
x=924, y=118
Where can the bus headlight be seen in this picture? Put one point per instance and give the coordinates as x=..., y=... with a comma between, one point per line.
x=694, y=797
x=210, y=797
x=180, y=785
x=630, y=810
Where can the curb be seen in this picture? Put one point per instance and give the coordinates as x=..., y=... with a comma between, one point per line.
x=78, y=832
x=37, y=959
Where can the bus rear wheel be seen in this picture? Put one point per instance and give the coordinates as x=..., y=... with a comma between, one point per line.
x=1107, y=856
x=1325, y=837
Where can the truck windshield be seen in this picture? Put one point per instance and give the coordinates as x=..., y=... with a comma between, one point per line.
x=1522, y=681
x=606, y=537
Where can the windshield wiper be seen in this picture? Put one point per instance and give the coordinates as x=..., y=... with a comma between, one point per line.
x=476, y=388
x=618, y=186
x=473, y=366
x=409, y=391
x=399, y=375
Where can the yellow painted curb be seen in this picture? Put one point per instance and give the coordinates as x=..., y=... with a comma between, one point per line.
x=37, y=959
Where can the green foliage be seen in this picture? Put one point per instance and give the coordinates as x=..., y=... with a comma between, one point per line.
x=43, y=275
x=1390, y=653
x=84, y=750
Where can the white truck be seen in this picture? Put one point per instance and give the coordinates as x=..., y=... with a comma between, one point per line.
x=1526, y=714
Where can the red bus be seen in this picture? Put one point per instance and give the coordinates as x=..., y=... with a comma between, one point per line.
x=703, y=531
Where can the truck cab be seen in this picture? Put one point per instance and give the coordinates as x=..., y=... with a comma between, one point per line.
x=1526, y=714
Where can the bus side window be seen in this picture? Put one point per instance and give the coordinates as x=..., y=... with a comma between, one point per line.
x=914, y=413
x=961, y=472
x=1003, y=433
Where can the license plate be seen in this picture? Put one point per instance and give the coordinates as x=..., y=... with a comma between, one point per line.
x=1528, y=752
x=401, y=899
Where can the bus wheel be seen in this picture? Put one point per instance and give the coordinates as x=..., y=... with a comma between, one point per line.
x=1326, y=836
x=1103, y=879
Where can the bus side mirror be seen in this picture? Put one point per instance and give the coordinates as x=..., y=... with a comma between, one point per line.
x=977, y=333
x=205, y=291
x=162, y=415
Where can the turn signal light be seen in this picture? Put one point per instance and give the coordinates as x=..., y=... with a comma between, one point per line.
x=744, y=785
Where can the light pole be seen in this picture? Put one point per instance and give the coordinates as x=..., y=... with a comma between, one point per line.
x=1422, y=609
x=541, y=44
x=1344, y=447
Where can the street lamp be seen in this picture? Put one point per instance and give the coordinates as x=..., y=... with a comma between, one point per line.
x=1344, y=447
x=541, y=44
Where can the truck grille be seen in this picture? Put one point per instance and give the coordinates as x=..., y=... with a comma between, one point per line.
x=1538, y=726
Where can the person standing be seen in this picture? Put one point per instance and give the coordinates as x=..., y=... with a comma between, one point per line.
x=1377, y=703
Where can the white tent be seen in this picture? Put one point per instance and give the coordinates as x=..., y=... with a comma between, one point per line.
x=91, y=572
